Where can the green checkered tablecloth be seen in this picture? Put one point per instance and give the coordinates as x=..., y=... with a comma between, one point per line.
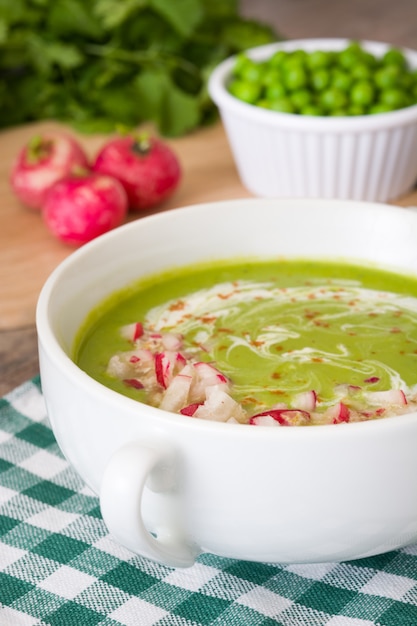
x=60, y=567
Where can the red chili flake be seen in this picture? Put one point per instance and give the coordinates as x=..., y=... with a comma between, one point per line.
x=321, y=323
x=206, y=319
x=372, y=379
x=257, y=344
x=317, y=359
x=133, y=382
x=224, y=296
x=225, y=330
x=311, y=296
x=177, y=306
x=249, y=400
x=372, y=314
x=395, y=330
x=276, y=375
x=280, y=348
x=310, y=314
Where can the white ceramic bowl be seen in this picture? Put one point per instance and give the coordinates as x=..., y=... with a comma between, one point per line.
x=170, y=486
x=369, y=157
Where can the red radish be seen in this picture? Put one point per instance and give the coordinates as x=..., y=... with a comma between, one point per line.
x=167, y=365
x=305, y=400
x=190, y=409
x=283, y=417
x=42, y=162
x=176, y=395
x=219, y=406
x=338, y=413
x=80, y=208
x=388, y=397
x=147, y=168
x=133, y=382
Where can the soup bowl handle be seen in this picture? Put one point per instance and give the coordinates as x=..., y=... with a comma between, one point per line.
x=134, y=470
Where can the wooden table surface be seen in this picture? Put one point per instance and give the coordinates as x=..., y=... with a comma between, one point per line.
x=28, y=253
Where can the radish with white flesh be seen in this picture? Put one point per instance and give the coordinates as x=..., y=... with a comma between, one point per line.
x=43, y=161
x=207, y=376
x=167, y=364
x=282, y=417
x=219, y=406
x=173, y=381
x=338, y=413
x=132, y=332
x=305, y=401
x=176, y=395
x=386, y=398
x=78, y=209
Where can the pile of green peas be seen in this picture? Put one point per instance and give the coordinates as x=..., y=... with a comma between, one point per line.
x=347, y=82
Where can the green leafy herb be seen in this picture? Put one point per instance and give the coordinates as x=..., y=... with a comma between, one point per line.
x=105, y=63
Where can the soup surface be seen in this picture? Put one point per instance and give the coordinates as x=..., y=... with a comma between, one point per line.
x=283, y=342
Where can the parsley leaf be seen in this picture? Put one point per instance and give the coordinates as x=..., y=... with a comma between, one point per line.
x=105, y=63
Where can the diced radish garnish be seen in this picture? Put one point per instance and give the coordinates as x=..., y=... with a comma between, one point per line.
x=207, y=376
x=283, y=417
x=190, y=409
x=172, y=341
x=165, y=366
x=219, y=406
x=119, y=367
x=388, y=397
x=305, y=401
x=338, y=413
x=209, y=373
x=176, y=395
x=133, y=382
x=264, y=420
x=132, y=332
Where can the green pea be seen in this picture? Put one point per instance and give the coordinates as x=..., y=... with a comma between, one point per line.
x=362, y=93
x=271, y=77
x=275, y=92
x=295, y=77
x=300, y=98
x=299, y=55
x=341, y=80
x=332, y=99
x=349, y=57
x=320, y=79
x=387, y=76
x=283, y=105
x=241, y=61
x=277, y=58
x=252, y=71
x=394, y=56
x=380, y=107
x=361, y=71
x=312, y=109
x=245, y=90
x=393, y=97
x=356, y=109
x=318, y=59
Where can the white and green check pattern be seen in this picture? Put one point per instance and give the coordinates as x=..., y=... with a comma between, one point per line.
x=60, y=567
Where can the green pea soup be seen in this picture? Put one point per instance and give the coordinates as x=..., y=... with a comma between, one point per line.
x=274, y=327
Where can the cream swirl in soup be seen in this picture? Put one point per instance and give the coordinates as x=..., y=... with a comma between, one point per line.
x=290, y=343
